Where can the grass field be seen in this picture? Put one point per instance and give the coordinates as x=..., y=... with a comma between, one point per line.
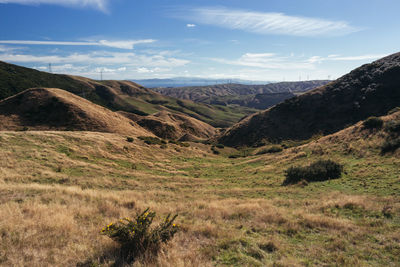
x=58, y=189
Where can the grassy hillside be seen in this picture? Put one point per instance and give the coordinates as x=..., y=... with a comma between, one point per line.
x=116, y=95
x=58, y=189
x=56, y=109
x=370, y=90
x=173, y=126
x=254, y=96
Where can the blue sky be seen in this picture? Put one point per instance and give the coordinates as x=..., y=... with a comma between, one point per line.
x=269, y=40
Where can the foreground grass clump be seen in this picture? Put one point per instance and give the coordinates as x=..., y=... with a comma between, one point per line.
x=136, y=238
x=320, y=170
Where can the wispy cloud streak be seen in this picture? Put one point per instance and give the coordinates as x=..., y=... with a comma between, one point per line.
x=266, y=23
x=96, y=58
x=97, y=4
x=319, y=59
x=126, y=44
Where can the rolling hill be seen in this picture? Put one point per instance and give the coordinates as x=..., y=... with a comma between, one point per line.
x=370, y=90
x=56, y=109
x=254, y=96
x=116, y=95
x=173, y=126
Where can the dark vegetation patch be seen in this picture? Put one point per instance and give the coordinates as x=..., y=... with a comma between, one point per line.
x=269, y=150
x=152, y=140
x=182, y=144
x=215, y=150
x=392, y=141
x=390, y=145
x=320, y=170
x=373, y=123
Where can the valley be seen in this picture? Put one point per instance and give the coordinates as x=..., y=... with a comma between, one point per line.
x=78, y=157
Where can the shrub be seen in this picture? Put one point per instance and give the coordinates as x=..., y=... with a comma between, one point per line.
x=390, y=145
x=152, y=140
x=318, y=171
x=136, y=238
x=373, y=123
x=129, y=139
x=214, y=150
x=272, y=149
x=220, y=146
x=179, y=143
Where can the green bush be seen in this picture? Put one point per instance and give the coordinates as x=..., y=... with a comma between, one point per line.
x=320, y=170
x=179, y=143
x=136, y=237
x=152, y=140
x=129, y=139
x=272, y=149
x=214, y=150
x=390, y=145
x=220, y=146
x=373, y=123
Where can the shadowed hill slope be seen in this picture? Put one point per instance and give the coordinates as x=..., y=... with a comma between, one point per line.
x=56, y=109
x=372, y=89
x=173, y=126
x=116, y=95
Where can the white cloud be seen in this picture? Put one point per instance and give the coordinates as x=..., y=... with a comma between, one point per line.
x=98, y=4
x=110, y=70
x=98, y=58
x=267, y=61
x=151, y=70
x=7, y=48
x=357, y=58
x=318, y=59
x=267, y=22
x=123, y=44
x=189, y=25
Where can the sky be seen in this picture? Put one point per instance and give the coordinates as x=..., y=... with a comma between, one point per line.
x=264, y=40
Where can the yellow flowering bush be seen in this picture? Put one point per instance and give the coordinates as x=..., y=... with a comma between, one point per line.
x=137, y=238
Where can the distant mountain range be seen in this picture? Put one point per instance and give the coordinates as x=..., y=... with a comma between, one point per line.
x=370, y=90
x=254, y=96
x=190, y=81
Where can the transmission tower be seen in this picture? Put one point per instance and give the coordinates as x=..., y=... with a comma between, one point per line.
x=50, y=70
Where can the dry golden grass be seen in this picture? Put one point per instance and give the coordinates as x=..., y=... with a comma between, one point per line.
x=58, y=189
x=78, y=113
